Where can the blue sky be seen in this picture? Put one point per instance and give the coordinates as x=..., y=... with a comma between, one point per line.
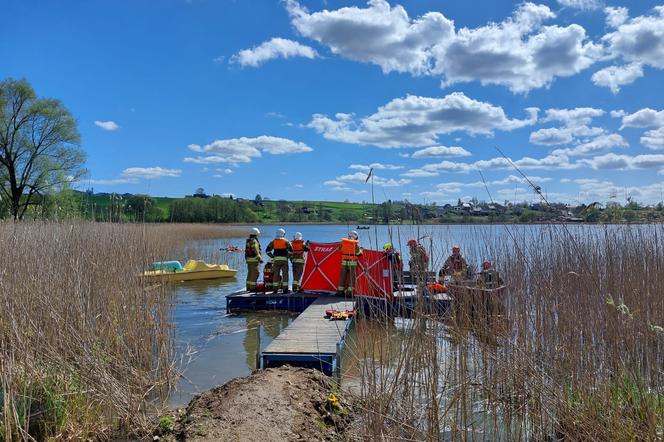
x=296, y=99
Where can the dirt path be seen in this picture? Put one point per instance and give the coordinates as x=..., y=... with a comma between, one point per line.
x=277, y=404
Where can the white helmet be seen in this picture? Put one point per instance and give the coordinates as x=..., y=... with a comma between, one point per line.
x=255, y=231
x=297, y=236
x=281, y=233
x=353, y=235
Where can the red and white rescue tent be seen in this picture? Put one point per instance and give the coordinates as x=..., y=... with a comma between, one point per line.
x=323, y=267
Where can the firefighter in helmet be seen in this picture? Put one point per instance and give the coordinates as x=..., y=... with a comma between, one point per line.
x=279, y=249
x=300, y=248
x=350, y=253
x=455, y=265
x=253, y=258
x=489, y=278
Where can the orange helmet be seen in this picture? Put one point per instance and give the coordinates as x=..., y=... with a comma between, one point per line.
x=412, y=243
x=486, y=265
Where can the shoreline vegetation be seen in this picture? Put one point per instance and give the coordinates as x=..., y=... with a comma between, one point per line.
x=576, y=353
x=86, y=344
x=202, y=208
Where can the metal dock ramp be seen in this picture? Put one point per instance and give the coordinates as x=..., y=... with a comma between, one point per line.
x=311, y=340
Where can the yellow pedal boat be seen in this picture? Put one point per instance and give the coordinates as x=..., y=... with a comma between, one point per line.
x=192, y=270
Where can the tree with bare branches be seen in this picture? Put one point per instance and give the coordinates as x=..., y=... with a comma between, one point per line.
x=39, y=146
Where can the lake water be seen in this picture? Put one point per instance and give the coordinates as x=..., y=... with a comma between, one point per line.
x=215, y=347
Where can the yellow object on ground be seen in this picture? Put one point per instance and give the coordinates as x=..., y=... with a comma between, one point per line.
x=193, y=270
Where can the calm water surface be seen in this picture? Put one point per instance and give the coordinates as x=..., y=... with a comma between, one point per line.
x=215, y=347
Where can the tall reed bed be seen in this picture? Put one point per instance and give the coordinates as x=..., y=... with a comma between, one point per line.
x=85, y=343
x=576, y=352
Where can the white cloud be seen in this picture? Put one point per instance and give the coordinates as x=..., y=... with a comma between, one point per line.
x=618, y=113
x=594, y=189
x=644, y=118
x=519, y=52
x=647, y=118
x=360, y=178
x=616, y=16
x=553, y=136
x=376, y=166
x=115, y=181
x=507, y=181
x=614, y=77
x=378, y=34
x=224, y=171
x=580, y=116
x=107, y=125
x=419, y=173
x=581, y=4
x=275, y=48
x=339, y=186
x=637, y=41
x=575, y=121
x=624, y=162
x=150, y=173
x=553, y=161
x=243, y=150
x=654, y=139
x=418, y=121
x=602, y=142
x=441, y=151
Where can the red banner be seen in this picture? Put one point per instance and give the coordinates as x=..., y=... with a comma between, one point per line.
x=323, y=267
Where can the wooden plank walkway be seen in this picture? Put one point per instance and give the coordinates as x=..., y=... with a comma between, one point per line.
x=311, y=339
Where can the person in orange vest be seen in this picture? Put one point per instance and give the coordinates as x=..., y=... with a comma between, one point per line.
x=350, y=252
x=253, y=258
x=489, y=278
x=419, y=260
x=279, y=250
x=455, y=265
x=297, y=259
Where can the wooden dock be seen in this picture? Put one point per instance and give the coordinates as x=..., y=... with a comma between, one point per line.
x=311, y=340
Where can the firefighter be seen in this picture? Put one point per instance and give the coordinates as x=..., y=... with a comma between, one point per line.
x=252, y=255
x=297, y=259
x=455, y=265
x=396, y=264
x=350, y=252
x=419, y=260
x=489, y=278
x=279, y=250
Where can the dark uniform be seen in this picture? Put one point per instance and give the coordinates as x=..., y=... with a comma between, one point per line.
x=489, y=279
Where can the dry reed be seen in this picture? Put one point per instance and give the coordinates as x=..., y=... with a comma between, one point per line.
x=576, y=352
x=85, y=343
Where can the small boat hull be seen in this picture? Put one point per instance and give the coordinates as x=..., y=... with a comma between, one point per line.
x=193, y=271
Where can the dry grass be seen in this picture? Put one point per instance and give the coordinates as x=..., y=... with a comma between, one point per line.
x=85, y=343
x=577, y=355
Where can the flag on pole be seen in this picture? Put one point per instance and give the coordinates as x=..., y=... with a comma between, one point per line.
x=369, y=175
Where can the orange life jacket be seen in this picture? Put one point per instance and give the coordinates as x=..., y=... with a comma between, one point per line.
x=279, y=244
x=298, y=248
x=349, y=249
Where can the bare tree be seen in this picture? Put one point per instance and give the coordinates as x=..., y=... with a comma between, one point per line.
x=39, y=146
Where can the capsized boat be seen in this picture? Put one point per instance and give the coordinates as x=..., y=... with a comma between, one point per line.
x=192, y=270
